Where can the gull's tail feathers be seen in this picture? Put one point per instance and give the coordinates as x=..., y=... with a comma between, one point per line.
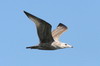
x=32, y=47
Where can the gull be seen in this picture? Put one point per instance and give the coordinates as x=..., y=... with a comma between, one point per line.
x=49, y=40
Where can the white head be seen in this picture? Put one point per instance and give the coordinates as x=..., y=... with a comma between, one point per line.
x=63, y=45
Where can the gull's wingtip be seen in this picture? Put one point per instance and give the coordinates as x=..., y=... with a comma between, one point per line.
x=60, y=24
x=25, y=12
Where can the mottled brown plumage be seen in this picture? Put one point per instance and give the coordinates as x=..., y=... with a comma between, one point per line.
x=48, y=39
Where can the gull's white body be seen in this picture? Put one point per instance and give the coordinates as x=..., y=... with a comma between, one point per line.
x=48, y=40
x=60, y=45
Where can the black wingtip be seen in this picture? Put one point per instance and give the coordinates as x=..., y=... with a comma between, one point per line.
x=25, y=12
x=60, y=24
x=28, y=14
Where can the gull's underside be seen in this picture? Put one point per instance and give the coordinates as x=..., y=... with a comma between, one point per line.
x=49, y=40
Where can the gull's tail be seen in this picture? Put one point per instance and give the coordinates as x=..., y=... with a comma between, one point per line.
x=32, y=47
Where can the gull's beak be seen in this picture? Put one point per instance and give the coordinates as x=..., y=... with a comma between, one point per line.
x=69, y=46
x=72, y=47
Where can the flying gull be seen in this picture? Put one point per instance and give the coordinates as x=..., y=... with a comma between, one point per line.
x=48, y=40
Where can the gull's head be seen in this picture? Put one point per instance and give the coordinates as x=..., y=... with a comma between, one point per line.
x=66, y=45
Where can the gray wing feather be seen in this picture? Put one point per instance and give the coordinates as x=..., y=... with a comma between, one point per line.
x=43, y=28
x=58, y=31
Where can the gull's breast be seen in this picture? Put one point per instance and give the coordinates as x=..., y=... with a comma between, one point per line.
x=56, y=45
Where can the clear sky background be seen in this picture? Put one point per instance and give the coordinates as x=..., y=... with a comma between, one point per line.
x=17, y=32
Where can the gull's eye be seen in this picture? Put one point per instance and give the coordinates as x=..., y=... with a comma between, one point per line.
x=65, y=44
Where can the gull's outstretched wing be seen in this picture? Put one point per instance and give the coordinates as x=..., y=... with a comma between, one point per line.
x=58, y=31
x=43, y=28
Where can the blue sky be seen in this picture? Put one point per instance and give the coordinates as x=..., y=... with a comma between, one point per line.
x=17, y=32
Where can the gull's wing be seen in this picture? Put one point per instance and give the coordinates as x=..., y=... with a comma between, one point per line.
x=43, y=28
x=58, y=31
